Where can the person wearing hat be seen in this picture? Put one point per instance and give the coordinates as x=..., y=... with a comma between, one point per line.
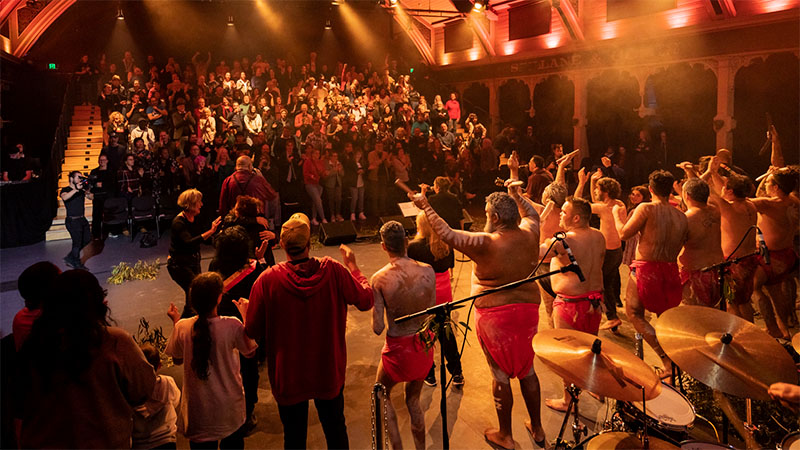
x=183, y=123
x=114, y=151
x=299, y=307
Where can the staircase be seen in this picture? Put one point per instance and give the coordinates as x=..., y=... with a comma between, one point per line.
x=84, y=144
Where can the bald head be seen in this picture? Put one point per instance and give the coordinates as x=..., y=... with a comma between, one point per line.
x=244, y=163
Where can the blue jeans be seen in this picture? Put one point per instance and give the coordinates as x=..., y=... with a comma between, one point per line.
x=356, y=200
x=315, y=192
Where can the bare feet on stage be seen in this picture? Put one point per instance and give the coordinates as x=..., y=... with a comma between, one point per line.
x=498, y=440
x=536, y=435
x=557, y=404
x=611, y=324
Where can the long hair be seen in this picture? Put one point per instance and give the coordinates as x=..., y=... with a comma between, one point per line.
x=233, y=250
x=71, y=328
x=424, y=231
x=203, y=295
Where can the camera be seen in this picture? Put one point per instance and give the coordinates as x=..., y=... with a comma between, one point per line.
x=88, y=183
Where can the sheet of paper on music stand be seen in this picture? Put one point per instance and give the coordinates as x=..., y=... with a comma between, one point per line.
x=408, y=209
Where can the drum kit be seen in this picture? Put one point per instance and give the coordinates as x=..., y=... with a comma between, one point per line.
x=724, y=352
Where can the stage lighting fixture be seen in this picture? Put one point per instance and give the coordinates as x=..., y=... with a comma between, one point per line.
x=478, y=6
x=392, y=3
x=230, y=20
x=327, y=24
x=335, y=3
x=120, y=16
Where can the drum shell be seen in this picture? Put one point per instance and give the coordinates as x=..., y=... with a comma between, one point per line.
x=634, y=417
x=790, y=442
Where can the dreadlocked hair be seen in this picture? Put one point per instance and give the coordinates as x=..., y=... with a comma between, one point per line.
x=204, y=294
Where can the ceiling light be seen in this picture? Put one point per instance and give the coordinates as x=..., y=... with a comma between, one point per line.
x=478, y=6
x=392, y=3
x=327, y=24
x=120, y=16
x=335, y=3
x=230, y=20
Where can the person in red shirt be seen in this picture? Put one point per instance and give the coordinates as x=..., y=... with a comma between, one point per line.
x=245, y=181
x=299, y=308
x=35, y=284
x=453, y=108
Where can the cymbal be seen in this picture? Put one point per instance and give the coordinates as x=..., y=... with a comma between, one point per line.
x=796, y=342
x=597, y=365
x=622, y=440
x=723, y=351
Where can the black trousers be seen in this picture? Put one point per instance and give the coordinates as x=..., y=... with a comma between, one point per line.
x=248, y=368
x=80, y=234
x=611, y=281
x=331, y=416
x=183, y=273
x=97, y=215
x=451, y=355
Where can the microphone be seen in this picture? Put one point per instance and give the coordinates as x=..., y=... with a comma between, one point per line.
x=762, y=246
x=574, y=264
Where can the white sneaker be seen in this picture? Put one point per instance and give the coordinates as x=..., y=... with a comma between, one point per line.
x=352, y=217
x=361, y=216
x=314, y=222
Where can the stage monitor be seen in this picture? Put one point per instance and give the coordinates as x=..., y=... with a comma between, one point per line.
x=529, y=20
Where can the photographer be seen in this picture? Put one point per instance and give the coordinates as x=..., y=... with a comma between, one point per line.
x=74, y=198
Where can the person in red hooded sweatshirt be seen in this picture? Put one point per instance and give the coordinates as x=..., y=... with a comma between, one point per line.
x=300, y=307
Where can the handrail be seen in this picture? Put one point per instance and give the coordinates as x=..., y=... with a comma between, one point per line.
x=52, y=171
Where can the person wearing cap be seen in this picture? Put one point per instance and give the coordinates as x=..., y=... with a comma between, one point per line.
x=114, y=151
x=299, y=307
x=183, y=123
x=144, y=131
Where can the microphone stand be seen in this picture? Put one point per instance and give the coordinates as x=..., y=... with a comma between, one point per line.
x=441, y=315
x=722, y=269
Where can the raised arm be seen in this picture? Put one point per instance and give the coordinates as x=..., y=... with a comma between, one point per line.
x=633, y=225
x=563, y=162
x=469, y=243
x=776, y=157
x=582, y=179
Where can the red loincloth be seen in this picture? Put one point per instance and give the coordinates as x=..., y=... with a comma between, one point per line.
x=782, y=263
x=405, y=359
x=444, y=292
x=506, y=332
x=581, y=312
x=704, y=285
x=742, y=274
x=658, y=285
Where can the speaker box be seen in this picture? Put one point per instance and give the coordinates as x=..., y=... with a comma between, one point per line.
x=409, y=223
x=335, y=233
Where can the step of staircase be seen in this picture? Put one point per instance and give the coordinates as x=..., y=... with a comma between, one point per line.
x=86, y=108
x=85, y=145
x=89, y=153
x=85, y=133
x=78, y=122
x=86, y=140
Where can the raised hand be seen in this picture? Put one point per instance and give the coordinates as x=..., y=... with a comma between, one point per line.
x=583, y=177
x=597, y=174
x=606, y=161
x=348, y=257
x=262, y=249
x=242, y=304
x=173, y=313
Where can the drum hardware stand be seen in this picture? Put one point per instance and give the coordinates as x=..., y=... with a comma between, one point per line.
x=380, y=434
x=441, y=315
x=723, y=267
x=749, y=427
x=645, y=439
x=578, y=429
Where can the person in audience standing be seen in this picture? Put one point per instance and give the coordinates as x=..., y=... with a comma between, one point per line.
x=453, y=108
x=79, y=378
x=354, y=180
x=299, y=307
x=186, y=235
x=104, y=185
x=212, y=408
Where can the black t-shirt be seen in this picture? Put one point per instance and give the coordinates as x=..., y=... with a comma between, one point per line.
x=107, y=178
x=185, y=240
x=418, y=250
x=16, y=168
x=75, y=205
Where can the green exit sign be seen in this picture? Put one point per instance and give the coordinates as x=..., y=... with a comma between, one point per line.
x=52, y=66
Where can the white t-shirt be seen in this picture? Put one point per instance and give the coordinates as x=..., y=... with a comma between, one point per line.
x=154, y=422
x=212, y=409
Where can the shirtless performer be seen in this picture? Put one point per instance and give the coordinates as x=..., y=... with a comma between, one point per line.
x=402, y=287
x=577, y=304
x=738, y=215
x=553, y=198
x=605, y=197
x=778, y=218
x=654, y=283
x=702, y=248
x=505, y=321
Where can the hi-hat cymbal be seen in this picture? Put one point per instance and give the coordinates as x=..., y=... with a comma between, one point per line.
x=723, y=351
x=796, y=342
x=597, y=365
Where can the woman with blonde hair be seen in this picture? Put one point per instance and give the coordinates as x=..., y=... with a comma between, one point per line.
x=428, y=248
x=186, y=235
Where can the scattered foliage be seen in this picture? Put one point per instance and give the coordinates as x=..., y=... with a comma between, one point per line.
x=123, y=272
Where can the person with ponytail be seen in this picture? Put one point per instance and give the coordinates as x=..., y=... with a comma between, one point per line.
x=79, y=378
x=428, y=248
x=212, y=409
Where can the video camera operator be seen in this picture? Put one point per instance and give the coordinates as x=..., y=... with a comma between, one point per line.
x=74, y=197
